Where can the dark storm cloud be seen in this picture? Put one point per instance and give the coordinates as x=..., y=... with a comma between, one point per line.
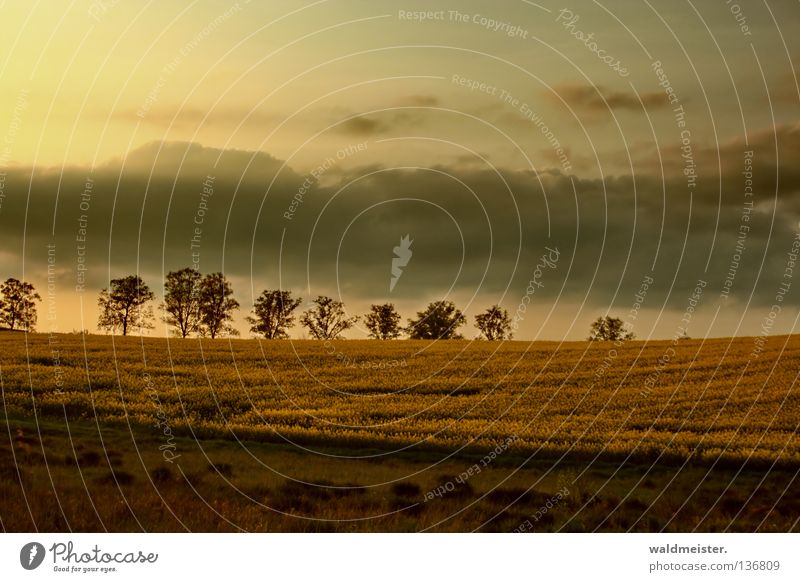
x=474, y=229
x=775, y=177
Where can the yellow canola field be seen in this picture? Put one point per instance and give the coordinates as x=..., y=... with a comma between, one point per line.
x=693, y=401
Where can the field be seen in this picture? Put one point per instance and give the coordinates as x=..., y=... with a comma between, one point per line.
x=131, y=434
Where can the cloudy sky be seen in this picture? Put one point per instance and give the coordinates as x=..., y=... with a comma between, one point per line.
x=293, y=144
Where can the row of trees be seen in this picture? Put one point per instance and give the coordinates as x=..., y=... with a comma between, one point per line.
x=273, y=315
x=193, y=303
x=204, y=305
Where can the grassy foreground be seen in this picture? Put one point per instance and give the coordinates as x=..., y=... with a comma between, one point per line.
x=169, y=435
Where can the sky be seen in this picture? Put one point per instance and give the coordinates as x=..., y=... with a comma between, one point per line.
x=648, y=149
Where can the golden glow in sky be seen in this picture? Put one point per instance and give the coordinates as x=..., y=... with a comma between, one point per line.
x=617, y=131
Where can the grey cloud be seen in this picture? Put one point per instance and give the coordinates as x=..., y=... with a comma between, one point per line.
x=597, y=99
x=362, y=126
x=381, y=123
x=419, y=100
x=474, y=230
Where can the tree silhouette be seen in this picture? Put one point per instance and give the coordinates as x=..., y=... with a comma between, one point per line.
x=124, y=305
x=17, y=306
x=383, y=322
x=217, y=306
x=327, y=319
x=182, y=300
x=440, y=320
x=272, y=314
x=609, y=329
x=494, y=323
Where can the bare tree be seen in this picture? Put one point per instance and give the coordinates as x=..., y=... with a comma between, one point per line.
x=383, y=322
x=494, y=324
x=217, y=305
x=273, y=314
x=17, y=306
x=328, y=319
x=182, y=300
x=123, y=305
